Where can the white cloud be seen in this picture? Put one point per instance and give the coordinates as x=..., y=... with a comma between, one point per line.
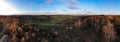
x=7, y=9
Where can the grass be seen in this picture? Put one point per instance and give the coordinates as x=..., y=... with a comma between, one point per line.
x=47, y=21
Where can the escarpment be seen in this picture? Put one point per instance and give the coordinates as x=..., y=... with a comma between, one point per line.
x=16, y=29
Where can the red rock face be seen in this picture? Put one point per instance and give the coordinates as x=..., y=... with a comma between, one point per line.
x=16, y=29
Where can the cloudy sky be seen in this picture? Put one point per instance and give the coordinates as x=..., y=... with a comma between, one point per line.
x=64, y=6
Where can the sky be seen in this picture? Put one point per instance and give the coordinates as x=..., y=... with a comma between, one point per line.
x=65, y=6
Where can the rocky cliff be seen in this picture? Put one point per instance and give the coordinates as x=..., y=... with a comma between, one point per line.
x=62, y=29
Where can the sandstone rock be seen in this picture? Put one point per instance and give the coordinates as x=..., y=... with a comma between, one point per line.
x=5, y=38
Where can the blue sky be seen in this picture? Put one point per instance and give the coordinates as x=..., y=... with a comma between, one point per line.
x=76, y=6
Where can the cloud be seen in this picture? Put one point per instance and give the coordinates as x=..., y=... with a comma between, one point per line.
x=72, y=7
x=7, y=9
x=72, y=4
x=49, y=1
x=68, y=2
x=64, y=10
